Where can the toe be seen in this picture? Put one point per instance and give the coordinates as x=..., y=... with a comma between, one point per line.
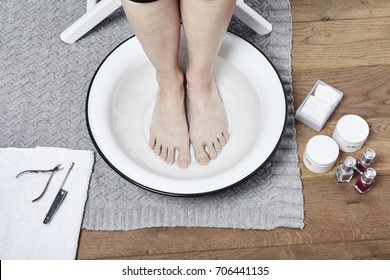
x=152, y=142
x=221, y=140
x=183, y=159
x=226, y=136
x=164, y=152
x=157, y=149
x=217, y=146
x=211, y=151
x=201, y=155
x=170, y=158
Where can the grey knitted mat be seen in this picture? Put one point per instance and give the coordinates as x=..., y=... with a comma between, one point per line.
x=43, y=88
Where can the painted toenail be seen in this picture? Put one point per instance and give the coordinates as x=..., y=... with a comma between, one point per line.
x=183, y=163
x=203, y=160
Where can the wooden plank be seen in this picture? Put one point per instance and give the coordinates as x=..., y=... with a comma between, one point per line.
x=334, y=213
x=366, y=89
x=372, y=249
x=337, y=212
x=341, y=44
x=327, y=10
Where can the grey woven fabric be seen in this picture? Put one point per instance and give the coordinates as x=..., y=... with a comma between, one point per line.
x=43, y=88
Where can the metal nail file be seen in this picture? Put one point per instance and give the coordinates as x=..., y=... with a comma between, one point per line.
x=58, y=199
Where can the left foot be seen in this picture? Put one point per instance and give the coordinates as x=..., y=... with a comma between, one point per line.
x=208, y=125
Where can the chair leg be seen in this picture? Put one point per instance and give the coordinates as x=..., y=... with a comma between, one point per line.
x=248, y=16
x=91, y=4
x=89, y=20
x=97, y=12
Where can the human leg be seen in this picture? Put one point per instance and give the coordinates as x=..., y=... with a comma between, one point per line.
x=205, y=22
x=157, y=27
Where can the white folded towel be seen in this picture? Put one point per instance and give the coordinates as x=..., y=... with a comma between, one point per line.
x=22, y=232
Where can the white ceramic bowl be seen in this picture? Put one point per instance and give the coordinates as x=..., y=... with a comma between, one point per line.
x=120, y=105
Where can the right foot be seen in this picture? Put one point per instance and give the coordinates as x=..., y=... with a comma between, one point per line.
x=169, y=130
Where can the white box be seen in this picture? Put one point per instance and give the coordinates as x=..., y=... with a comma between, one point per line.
x=319, y=104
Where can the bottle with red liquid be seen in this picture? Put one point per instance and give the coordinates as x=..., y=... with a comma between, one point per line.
x=365, y=161
x=365, y=181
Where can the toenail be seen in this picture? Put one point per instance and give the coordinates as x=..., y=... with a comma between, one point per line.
x=203, y=160
x=183, y=163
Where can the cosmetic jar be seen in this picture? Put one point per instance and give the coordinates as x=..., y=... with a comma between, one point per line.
x=320, y=154
x=350, y=133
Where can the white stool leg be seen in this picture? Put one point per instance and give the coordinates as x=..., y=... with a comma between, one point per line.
x=97, y=12
x=248, y=16
x=89, y=20
x=91, y=4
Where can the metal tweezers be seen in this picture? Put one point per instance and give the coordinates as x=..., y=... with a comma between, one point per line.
x=51, y=171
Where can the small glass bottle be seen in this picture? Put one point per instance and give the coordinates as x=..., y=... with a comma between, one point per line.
x=345, y=171
x=365, y=181
x=365, y=161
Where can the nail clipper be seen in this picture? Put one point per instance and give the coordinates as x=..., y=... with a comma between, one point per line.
x=58, y=199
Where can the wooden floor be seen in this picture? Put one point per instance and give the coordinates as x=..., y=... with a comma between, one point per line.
x=345, y=43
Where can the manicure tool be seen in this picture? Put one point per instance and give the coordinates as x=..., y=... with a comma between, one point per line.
x=52, y=171
x=58, y=199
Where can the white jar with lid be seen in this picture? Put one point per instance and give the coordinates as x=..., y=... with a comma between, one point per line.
x=350, y=133
x=320, y=154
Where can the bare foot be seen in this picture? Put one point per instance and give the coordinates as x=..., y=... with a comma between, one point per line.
x=209, y=131
x=169, y=130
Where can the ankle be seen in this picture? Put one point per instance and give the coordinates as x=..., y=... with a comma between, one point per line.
x=200, y=82
x=171, y=84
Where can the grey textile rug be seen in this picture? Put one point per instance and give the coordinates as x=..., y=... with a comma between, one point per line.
x=43, y=88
